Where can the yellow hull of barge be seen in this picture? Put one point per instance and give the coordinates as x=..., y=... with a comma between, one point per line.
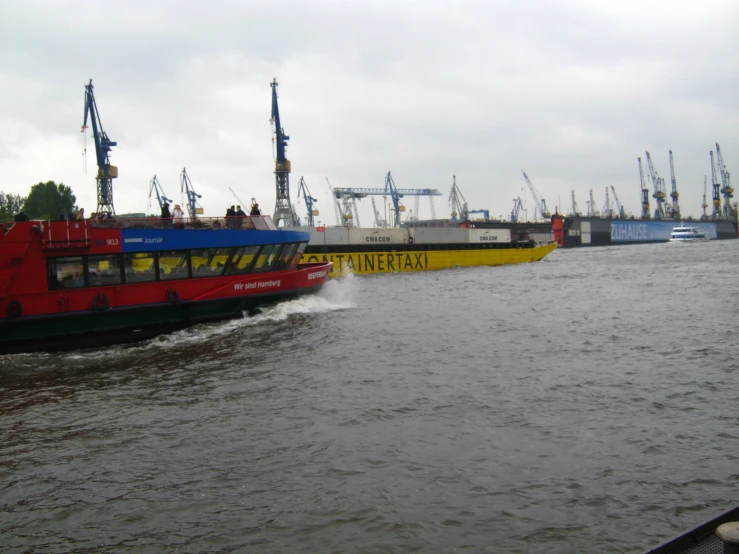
x=369, y=263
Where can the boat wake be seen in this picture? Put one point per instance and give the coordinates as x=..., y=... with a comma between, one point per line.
x=336, y=295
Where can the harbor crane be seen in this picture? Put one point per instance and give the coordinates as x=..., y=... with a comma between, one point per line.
x=592, y=211
x=716, y=213
x=193, y=207
x=539, y=202
x=704, y=205
x=645, y=210
x=575, y=210
x=517, y=209
x=156, y=188
x=726, y=188
x=457, y=202
x=658, y=186
x=607, y=210
x=337, y=204
x=674, y=194
x=619, y=206
x=103, y=146
x=309, y=201
x=390, y=190
x=380, y=222
x=347, y=201
x=283, y=209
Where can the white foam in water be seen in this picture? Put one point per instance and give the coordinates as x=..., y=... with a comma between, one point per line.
x=336, y=294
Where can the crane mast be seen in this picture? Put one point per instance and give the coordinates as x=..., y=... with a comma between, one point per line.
x=156, y=188
x=337, y=205
x=309, y=201
x=705, y=190
x=726, y=188
x=103, y=146
x=592, y=211
x=619, y=206
x=457, y=202
x=716, y=213
x=283, y=209
x=644, y=195
x=379, y=221
x=539, y=202
x=659, y=193
x=186, y=188
x=674, y=194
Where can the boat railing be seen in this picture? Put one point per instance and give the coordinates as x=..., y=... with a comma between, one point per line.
x=253, y=222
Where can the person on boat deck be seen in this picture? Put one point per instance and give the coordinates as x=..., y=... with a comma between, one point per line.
x=165, y=211
x=20, y=216
x=240, y=215
x=255, y=209
x=80, y=214
x=230, y=213
x=178, y=216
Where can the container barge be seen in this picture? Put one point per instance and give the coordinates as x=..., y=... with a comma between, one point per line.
x=368, y=251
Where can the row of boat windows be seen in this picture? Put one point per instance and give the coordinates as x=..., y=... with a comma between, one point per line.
x=66, y=272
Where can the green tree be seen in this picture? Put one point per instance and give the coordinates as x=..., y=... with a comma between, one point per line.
x=48, y=200
x=10, y=205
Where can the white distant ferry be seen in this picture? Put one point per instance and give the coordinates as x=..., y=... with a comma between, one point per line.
x=687, y=234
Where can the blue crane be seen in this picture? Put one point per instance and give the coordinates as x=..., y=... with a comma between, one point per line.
x=309, y=201
x=103, y=146
x=193, y=207
x=390, y=190
x=156, y=188
x=283, y=209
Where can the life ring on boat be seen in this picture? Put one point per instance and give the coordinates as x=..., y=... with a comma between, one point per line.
x=15, y=309
x=172, y=296
x=100, y=302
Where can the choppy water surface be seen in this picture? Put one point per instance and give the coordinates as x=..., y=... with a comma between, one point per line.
x=587, y=403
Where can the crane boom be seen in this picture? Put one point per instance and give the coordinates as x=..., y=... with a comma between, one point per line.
x=156, y=188
x=539, y=202
x=283, y=209
x=103, y=146
x=659, y=194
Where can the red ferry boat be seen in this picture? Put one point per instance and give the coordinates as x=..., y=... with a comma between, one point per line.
x=69, y=284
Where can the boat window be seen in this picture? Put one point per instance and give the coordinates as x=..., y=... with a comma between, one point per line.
x=267, y=257
x=66, y=272
x=242, y=260
x=209, y=262
x=173, y=265
x=104, y=270
x=140, y=267
x=288, y=252
x=298, y=255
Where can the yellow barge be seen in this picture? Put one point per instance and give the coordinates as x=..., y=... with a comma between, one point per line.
x=369, y=251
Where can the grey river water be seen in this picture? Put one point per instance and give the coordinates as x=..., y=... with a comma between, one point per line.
x=586, y=403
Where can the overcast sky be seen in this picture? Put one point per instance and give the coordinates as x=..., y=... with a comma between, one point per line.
x=573, y=92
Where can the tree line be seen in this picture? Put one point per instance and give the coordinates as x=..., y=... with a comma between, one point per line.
x=44, y=201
